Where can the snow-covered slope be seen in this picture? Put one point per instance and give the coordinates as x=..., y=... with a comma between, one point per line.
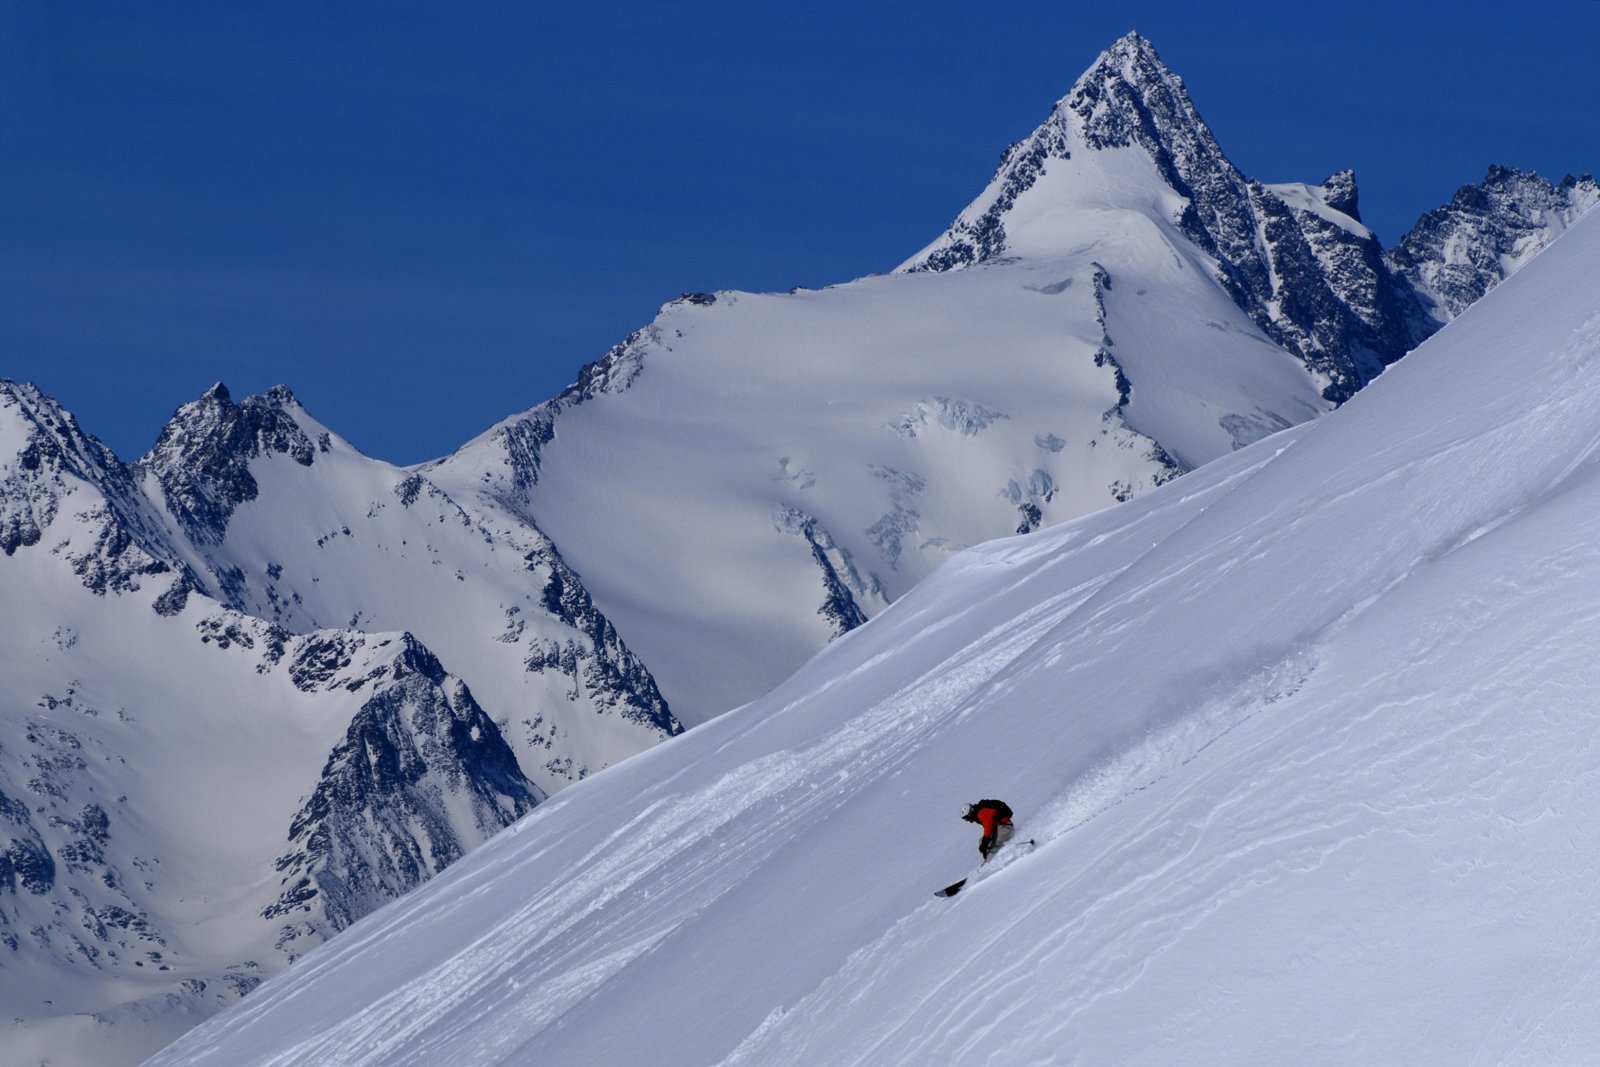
x=738, y=504
x=1307, y=740
x=285, y=521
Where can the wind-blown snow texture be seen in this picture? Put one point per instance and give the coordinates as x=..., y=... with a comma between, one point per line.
x=1307, y=739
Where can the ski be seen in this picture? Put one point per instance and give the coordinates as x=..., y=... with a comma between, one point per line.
x=1021, y=849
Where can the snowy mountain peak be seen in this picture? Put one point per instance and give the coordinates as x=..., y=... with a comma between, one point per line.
x=202, y=458
x=1339, y=193
x=1128, y=139
x=28, y=412
x=1131, y=44
x=50, y=467
x=1134, y=61
x=39, y=441
x=1127, y=97
x=274, y=421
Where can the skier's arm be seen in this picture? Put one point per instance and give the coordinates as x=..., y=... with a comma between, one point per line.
x=986, y=819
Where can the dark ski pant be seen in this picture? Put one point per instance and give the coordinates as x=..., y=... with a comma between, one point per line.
x=989, y=846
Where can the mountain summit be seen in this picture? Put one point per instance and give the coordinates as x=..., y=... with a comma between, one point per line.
x=1457, y=253
x=1127, y=97
x=1128, y=137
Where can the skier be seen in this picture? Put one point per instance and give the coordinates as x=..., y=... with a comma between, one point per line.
x=995, y=818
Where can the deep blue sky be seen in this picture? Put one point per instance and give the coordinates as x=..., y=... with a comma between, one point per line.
x=426, y=217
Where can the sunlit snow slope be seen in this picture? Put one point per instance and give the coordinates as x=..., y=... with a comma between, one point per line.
x=319, y=535
x=1308, y=740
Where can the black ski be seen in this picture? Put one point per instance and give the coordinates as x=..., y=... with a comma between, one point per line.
x=954, y=888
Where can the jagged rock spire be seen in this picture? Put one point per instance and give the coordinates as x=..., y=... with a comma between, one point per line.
x=202, y=458
x=56, y=468
x=1127, y=97
x=1316, y=287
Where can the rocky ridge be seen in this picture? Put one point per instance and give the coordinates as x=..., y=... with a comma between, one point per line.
x=115, y=712
x=1458, y=252
x=228, y=472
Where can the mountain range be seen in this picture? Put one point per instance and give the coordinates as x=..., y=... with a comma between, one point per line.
x=751, y=474
x=262, y=683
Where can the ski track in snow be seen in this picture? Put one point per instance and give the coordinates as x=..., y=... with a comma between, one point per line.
x=1167, y=877
x=1160, y=754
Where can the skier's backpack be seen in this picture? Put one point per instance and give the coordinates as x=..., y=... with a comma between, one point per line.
x=1002, y=810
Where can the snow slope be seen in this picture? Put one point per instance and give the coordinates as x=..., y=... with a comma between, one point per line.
x=904, y=418
x=1308, y=740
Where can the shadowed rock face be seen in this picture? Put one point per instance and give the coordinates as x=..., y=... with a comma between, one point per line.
x=121, y=543
x=202, y=465
x=414, y=772
x=421, y=777
x=381, y=821
x=1457, y=253
x=202, y=459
